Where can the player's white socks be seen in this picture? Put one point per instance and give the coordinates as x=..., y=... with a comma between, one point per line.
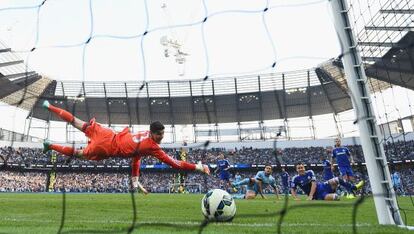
x=239, y=196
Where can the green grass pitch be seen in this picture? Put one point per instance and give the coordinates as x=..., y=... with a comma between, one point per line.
x=181, y=213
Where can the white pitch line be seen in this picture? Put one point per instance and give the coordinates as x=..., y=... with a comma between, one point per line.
x=194, y=223
x=411, y=228
x=265, y=224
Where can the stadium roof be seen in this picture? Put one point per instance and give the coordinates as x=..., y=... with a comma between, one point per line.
x=218, y=100
x=250, y=98
x=397, y=64
x=302, y=93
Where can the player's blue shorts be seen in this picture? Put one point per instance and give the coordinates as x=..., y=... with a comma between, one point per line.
x=224, y=176
x=346, y=171
x=328, y=175
x=322, y=189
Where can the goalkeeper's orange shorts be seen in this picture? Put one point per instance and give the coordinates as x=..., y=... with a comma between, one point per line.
x=100, y=145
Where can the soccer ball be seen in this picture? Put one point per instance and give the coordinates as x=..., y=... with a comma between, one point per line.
x=218, y=205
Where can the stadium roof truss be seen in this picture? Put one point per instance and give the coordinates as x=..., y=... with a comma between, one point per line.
x=224, y=100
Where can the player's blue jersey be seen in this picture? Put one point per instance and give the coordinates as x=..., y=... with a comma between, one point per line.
x=327, y=170
x=223, y=164
x=396, y=179
x=266, y=179
x=342, y=155
x=285, y=179
x=303, y=181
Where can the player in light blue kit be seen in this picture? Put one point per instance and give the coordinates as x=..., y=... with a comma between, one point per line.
x=344, y=159
x=396, y=183
x=285, y=181
x=306, y=180
x=223, y=167
x=255, y=185
x=238, y=178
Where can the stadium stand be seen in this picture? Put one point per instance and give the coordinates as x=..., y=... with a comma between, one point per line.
x=111, y=176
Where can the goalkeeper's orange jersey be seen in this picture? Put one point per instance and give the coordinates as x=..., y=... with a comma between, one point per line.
x=138, y=145
x=105, y=143
x=128, y=144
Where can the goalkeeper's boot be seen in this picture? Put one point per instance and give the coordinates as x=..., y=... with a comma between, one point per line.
x=46, y=146
x=234, y=188
x=46, y=104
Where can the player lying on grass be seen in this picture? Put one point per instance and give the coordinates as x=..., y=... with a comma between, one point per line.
x=306, y=180
x=104, y=143
x=255, y=185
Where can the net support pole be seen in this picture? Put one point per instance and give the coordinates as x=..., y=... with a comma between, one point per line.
x=376, y=162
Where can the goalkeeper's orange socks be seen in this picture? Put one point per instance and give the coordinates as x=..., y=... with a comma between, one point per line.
x=63, y=114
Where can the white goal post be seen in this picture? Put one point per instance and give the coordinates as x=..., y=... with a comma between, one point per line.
x=376, y=162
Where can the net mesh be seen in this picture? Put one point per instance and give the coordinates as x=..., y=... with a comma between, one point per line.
x=383, y=31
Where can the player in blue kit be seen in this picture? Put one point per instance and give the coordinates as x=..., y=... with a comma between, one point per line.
x=223, y=167
x=255, y=185
x=344, y=159
x=327, y=169
x=306, y=181
x=285, y=181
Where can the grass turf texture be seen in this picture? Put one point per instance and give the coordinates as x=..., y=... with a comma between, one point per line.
x=181, y=213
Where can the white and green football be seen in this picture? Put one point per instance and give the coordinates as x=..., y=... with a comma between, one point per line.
x=218, y=205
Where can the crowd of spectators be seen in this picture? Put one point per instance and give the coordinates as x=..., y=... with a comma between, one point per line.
x=11, y=181
x=407, y=180
x=400, y=150
x=155, y=182
x=161, y=181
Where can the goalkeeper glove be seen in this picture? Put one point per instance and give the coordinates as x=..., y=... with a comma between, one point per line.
x=136, y=185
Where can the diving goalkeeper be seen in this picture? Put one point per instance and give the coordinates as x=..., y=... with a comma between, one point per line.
x=104, y=143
